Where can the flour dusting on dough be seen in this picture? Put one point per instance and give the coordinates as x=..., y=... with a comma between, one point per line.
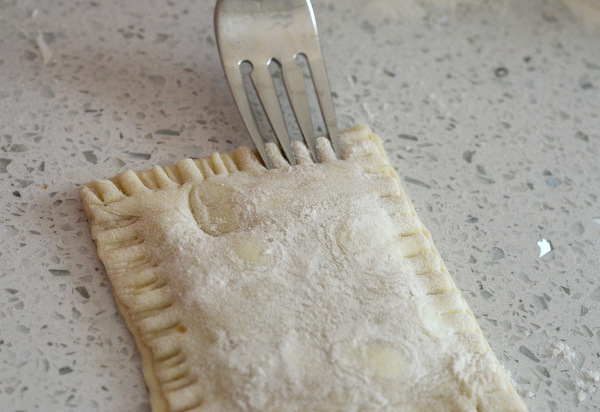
x=305, y=288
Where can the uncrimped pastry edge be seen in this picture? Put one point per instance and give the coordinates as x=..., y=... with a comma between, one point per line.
x=108, y=228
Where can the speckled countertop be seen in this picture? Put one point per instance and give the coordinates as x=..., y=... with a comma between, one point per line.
x=489, y=111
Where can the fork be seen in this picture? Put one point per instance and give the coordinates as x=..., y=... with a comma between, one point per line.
x=261, y=32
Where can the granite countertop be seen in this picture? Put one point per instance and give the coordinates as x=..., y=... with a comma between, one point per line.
x=489, y=111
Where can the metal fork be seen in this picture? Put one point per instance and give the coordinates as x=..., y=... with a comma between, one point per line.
x=260, y=32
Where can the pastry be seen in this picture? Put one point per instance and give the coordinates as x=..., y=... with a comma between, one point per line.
x=306, y=288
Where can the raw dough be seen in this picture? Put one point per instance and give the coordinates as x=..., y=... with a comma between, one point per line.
x=305, y=288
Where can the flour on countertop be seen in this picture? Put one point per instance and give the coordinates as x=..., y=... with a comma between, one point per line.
x=586, y=389
x=561, y=351
x=593, y=376
x=586, y=383
x=45, y=50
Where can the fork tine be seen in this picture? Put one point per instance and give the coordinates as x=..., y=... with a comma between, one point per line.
x=265, y=89
x=293, y=79
x=236, y=84
x=319, y=76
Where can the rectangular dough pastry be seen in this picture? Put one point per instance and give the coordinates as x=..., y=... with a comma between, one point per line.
x=306, y=288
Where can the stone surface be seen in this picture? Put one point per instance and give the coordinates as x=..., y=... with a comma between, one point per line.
x=489, y=112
